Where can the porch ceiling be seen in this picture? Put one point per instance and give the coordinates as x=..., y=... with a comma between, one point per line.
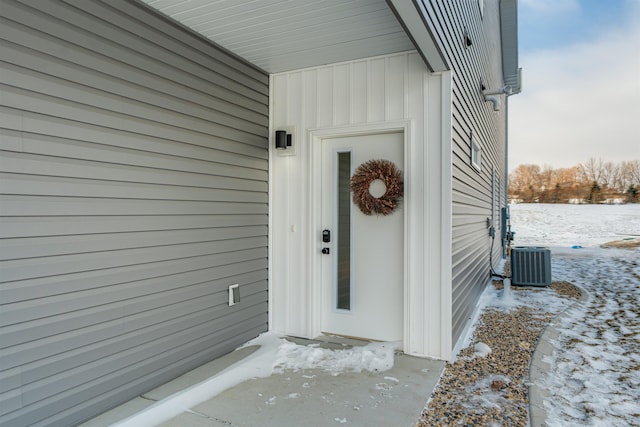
x=283, y=35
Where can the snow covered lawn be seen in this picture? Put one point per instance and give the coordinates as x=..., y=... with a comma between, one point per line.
x=595, y=375
x=595, y=369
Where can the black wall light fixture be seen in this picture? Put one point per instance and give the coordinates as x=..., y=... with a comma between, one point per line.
x=283, y=140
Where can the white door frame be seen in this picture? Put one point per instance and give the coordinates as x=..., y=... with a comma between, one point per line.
x=314, y=165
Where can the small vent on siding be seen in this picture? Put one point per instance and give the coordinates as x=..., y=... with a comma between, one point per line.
x=531, y=266
x=234, y=294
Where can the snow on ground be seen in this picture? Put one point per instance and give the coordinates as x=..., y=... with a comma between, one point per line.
x=571, y=225
x=373, y=357
x=595, y=375
x=594, y=378
x=274, y=355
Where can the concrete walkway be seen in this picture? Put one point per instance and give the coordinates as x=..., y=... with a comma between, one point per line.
x=311, y=397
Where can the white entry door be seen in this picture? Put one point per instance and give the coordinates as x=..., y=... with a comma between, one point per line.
x=362, y=256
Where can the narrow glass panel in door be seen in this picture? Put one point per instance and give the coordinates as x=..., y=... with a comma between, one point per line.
x=343, y=288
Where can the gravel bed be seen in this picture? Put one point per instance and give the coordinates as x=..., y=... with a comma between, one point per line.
x=481, y=389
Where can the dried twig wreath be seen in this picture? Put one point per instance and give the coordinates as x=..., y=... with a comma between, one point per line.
x=361, y=180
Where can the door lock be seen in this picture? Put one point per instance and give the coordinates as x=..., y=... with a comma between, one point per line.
x=325, y=251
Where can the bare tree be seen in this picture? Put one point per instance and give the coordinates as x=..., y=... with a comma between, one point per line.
x=592, y=169
x=618, y=181
x=547, y=177
x=594, y=181
x=525, y=181
x=634, y=171
x=608, y=174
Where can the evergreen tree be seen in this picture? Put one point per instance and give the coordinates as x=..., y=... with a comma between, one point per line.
x=594, y=194
x=632, y=193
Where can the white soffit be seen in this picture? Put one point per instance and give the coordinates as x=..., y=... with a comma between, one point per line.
x=284, y=35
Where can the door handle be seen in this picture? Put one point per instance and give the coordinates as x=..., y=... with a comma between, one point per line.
x=326, y=236
x=325, y=251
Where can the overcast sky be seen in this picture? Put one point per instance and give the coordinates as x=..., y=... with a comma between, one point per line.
x=581, y=83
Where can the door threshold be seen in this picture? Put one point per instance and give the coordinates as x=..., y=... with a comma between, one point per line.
x=332, y=337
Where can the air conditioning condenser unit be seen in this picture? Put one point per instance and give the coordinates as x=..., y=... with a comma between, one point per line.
x=531, y=266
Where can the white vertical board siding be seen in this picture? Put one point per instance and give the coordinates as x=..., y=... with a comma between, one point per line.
x=359, y=94
x=133, y=192
x=472, y=202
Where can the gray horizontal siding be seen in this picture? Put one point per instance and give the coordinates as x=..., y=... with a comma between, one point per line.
x=133, y=192
x=472, y=190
